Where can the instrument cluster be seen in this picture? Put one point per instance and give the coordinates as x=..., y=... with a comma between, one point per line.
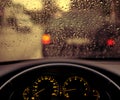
x=58, y=81
x=74, y=87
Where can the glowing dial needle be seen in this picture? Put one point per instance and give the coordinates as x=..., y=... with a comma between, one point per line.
x=39, y=91
x=70, y=90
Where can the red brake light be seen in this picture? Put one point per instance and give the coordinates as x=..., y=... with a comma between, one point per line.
x=110, y=42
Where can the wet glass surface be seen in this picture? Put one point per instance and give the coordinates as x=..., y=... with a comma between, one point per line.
x=76, y=28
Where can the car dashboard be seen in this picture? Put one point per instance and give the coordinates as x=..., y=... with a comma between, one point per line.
x=59, y=79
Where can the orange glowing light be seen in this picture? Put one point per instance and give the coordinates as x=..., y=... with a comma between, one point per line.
x=110, y=42
x=46, y=39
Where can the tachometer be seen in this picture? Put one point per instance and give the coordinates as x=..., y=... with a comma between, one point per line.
x=95, y=94
x=45, y=88
x=76, y=88
x=27, y=93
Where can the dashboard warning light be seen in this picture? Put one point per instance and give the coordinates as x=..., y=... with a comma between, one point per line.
x=46, y=39
x=110, y=42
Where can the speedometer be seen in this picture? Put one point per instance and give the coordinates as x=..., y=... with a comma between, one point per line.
x=43, y=88
x=75, y=87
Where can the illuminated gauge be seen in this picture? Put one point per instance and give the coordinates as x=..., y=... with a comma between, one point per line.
x=27, y=94
x=96, y=95
x=76, y=88
x=45, y=88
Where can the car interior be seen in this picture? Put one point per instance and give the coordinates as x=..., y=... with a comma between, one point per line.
x=59, y=49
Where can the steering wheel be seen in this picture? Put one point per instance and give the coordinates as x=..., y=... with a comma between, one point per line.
x=58, y=79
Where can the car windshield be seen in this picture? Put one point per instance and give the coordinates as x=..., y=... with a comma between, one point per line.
x=34, y=29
